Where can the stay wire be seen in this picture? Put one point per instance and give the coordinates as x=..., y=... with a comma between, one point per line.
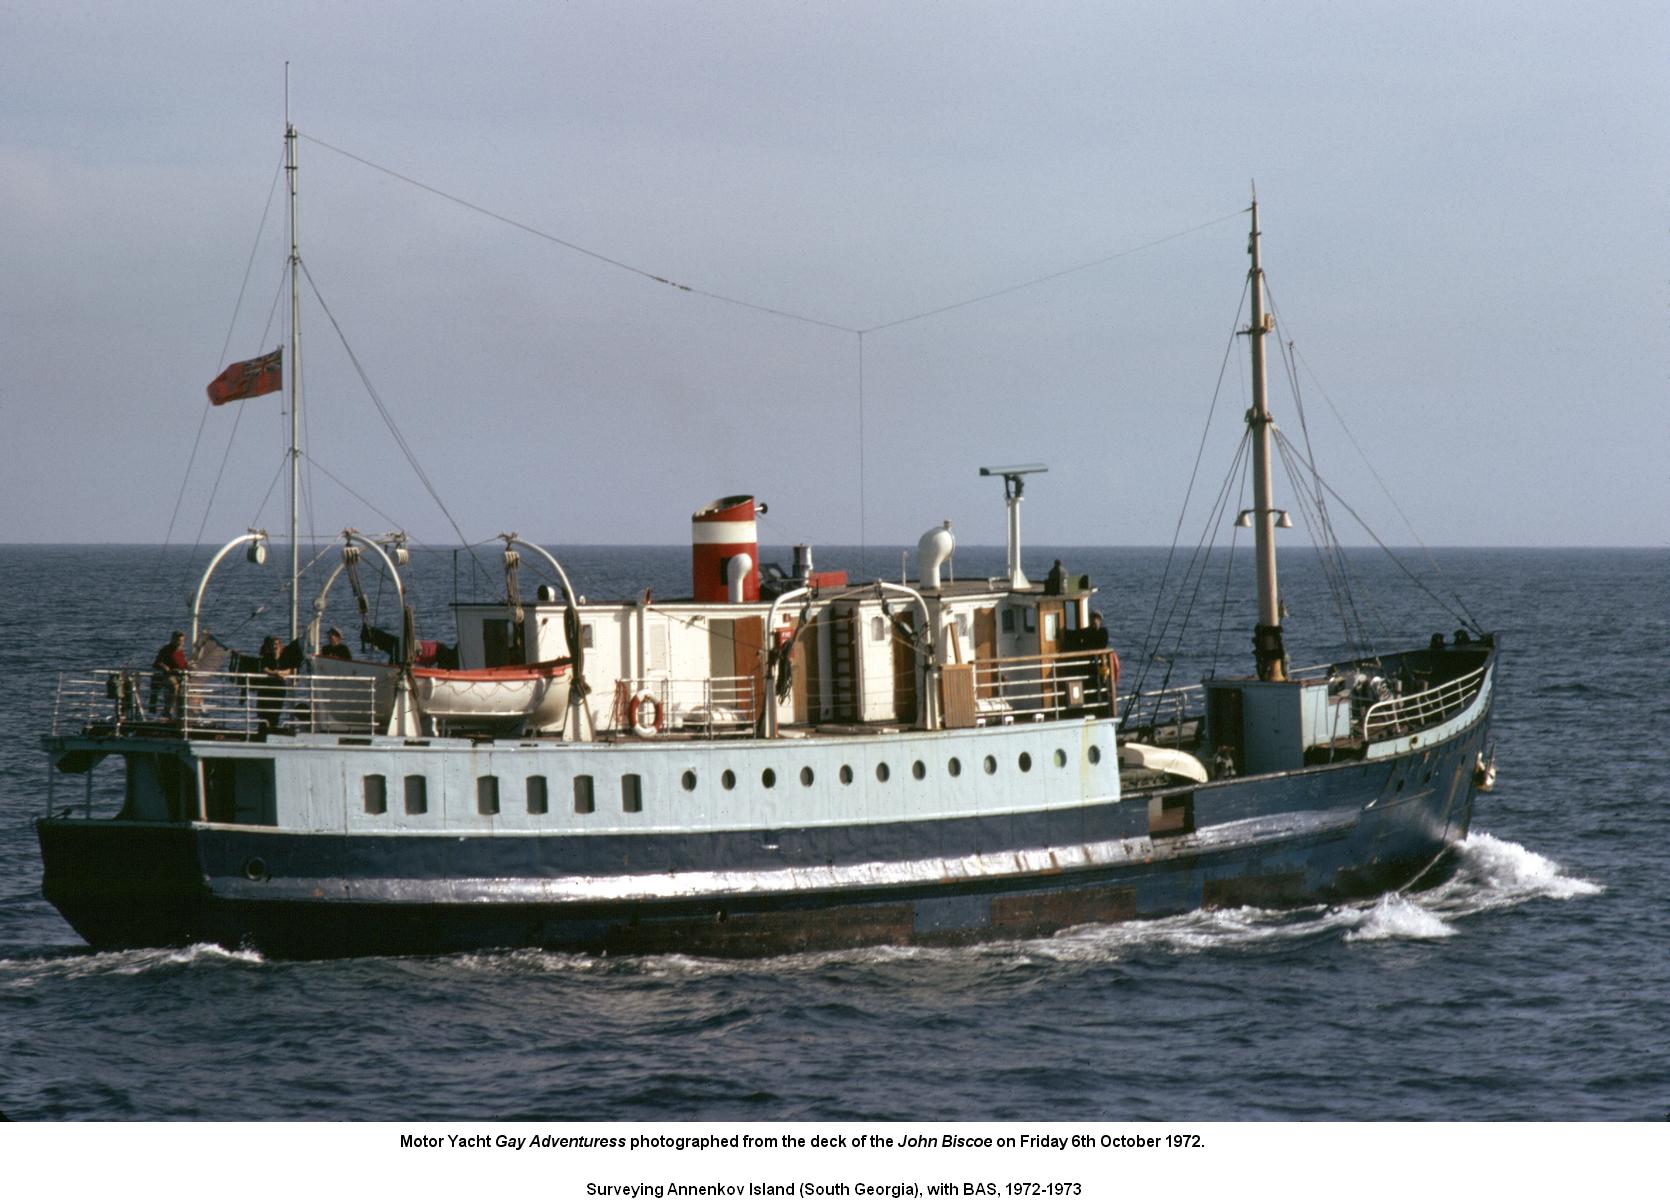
x=534, y=231
x=1363, y=455
x=1330, y=552
x=231, y=326
x=231, y=437
x=1148, y=638
x=382, y=409
x=1052, y=276
x=1462, y=616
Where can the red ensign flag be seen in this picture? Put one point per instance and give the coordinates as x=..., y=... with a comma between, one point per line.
x=255, y=377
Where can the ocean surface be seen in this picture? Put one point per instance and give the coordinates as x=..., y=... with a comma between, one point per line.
x=1531, y=983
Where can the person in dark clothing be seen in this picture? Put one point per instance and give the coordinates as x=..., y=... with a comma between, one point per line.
x=168, y=675
x=334, y=647
x=271, y=688
x=380, y=640
x=1056, y=583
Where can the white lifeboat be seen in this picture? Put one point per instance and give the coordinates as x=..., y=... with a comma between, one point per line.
x=525, y=696
x=1162, y=759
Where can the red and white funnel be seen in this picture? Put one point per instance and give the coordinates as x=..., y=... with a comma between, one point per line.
x=725, y=550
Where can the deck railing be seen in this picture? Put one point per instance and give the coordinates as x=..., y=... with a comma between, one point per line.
x=1419, y=710
x=1165, y=714
x=213, y=704
x=711, y=706
x=1043, y=687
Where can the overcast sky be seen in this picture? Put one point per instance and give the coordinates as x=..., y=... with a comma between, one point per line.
x=1464, y=210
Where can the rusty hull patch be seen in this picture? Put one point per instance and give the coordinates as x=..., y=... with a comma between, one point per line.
x=1038, y=913
x=1277, y=890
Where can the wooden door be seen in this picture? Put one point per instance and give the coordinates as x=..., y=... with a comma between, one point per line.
x=985, y=650
x=747, y=642
x=1051, y=619
x=904, y=667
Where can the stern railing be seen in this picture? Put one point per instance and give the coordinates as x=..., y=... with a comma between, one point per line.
x=127, y=701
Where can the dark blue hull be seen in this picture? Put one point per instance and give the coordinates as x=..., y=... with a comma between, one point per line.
x=1321, y=834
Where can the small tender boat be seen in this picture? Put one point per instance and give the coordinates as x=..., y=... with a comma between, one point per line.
x=514, y=697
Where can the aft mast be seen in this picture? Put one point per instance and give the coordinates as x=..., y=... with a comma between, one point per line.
x=1267, y=639
x=295, y=368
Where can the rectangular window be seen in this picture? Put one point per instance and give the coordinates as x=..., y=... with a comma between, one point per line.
x=376, y=795
x=583, y=800
x=417, y=794
x=1008, y=621
x=1029, y=619
x=487, y=795
x=539, y=801
x=631, y=794
x=586, y=635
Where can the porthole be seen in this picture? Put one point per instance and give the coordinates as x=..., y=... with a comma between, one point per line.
x=882, y=773
x=955, y=766
x=487, y=795
x=768, y=778
x=689, y=781
x=990, y=765
x=1094, y=754
x=539, y=798
x=919, y=769
x=1060, y=757
x=1026, y=761
x=631, y=793
x=846, y=774
x=806, y=776
x=728, y=779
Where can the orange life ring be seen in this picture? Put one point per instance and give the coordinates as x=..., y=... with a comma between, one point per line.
x=644, y=715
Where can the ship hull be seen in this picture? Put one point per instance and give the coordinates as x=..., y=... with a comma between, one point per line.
x=1318, y=835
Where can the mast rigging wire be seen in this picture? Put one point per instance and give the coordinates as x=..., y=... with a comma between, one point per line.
x=382, y=409
x=231, y=325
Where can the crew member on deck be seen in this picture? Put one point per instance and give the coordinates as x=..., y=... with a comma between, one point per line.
x=270, y=689
x=1056, y=582
x=334, y=647
x=168, y=674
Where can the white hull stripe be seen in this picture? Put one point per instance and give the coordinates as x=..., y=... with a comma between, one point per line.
x=1043, y=864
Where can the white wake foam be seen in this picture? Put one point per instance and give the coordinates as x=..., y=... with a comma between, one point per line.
x=1398, y=916
x=1494, y=873
x=28, y=972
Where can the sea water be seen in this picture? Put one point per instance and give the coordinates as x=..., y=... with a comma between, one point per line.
x=1528, y=983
